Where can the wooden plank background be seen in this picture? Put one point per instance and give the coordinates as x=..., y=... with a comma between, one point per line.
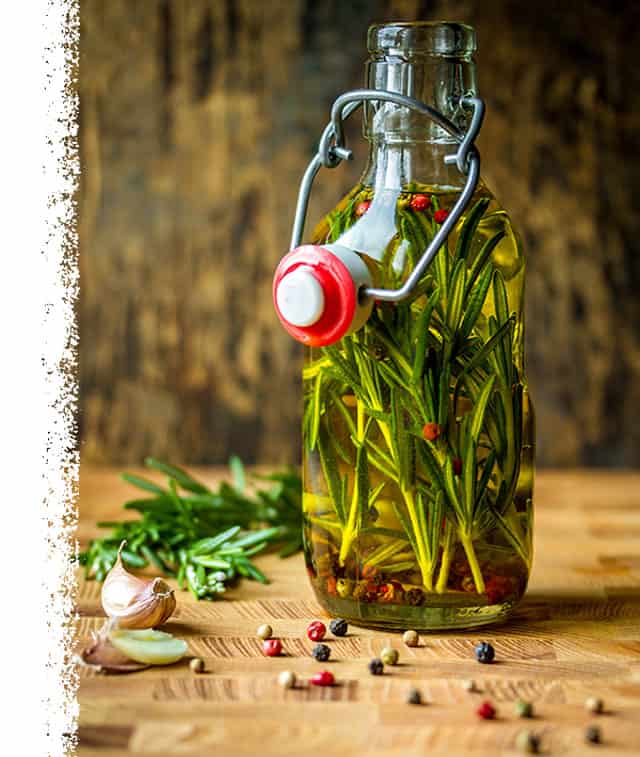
x=197, y=120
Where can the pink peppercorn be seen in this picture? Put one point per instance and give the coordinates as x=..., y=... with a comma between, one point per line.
x=324, y=678
x=457, y=466
x=486, y=711
x=440, y=216
x=420, y=202
x=431, y=431
x=316, y=630
x=272, y=647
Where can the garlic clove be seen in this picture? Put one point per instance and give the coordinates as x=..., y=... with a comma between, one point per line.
x=103, y=657
x=136, y=602
x=148, y=646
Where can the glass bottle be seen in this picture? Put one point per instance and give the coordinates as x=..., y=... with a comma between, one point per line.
x=418, y=425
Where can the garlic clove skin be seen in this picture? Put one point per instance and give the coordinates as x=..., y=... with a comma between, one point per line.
x=103, y=657
x=148, y=646
x=136, y=602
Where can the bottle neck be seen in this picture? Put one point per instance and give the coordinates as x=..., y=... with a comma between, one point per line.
x=395, y=165
x=405, y=145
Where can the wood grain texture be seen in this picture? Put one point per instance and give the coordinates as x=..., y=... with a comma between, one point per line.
x=197, y=120
x=576, y=634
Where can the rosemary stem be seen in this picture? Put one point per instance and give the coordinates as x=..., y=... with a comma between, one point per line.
x=443, y=575
x=426, y=567
x=350, y=530
x=478, y=580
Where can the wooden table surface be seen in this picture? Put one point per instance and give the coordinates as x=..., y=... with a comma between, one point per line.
x=576, y=634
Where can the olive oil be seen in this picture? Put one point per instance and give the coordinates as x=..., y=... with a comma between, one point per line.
x=418, y=428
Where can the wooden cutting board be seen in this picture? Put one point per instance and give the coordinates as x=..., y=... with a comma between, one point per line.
x=576, y=634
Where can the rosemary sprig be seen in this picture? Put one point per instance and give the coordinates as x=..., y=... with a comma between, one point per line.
x=417, y=363
x=204, y=538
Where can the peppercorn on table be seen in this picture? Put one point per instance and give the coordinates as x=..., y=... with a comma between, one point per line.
x=576, y=635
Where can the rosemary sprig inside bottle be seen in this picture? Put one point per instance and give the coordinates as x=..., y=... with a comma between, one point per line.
x=416, y=420
x=203, y=538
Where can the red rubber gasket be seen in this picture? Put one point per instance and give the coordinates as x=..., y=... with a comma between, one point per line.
x=339, y=294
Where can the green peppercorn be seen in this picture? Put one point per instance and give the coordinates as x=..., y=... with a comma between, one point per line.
x=389, y=656
x=264, y=632
x=595, y=705
x=344, y=587
x=593, y=734
x=411, y=638
x=376, y=667
x=287, y=679
x=414, y=697
x=528, y=742
x=524, y=709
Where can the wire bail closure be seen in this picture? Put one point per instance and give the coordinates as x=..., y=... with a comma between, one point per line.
x=332, y=151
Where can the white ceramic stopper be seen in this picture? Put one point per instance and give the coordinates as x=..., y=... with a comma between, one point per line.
x=300, y=297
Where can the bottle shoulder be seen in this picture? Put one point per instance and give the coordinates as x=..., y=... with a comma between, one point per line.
x=387, y=223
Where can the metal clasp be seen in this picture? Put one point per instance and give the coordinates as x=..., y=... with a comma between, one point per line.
x=332, y=151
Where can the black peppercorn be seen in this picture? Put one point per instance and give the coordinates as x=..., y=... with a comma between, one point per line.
x=415, y=597
x=338, y=627
x=321, y=652
x=593, y=735
x=376, y=667
x=414, y=697
x=484, y=652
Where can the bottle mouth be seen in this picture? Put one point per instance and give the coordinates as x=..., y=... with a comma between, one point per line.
x=421, y=38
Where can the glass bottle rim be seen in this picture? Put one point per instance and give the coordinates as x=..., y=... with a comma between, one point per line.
x=408, y=39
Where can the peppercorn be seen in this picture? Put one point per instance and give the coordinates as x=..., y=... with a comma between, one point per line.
x=440, y=216
x=264, y=631
x=316, y=630
x=287, y=679
x=431, y=431
x=486, y=711
x=362, y=207
x=457, y=466
x=376, y=667
x=339, y=627
x=469, y=685
x=411, y=638
x=360, y=592
x=524, y=709
x=197, y=665
x=389, y=656
x=484, y=652
x=420, y=202
x=403, y=202
x=593, y=734
x=528, y=742
x=497, y=588
x=468, y=585
x=414, y=697
x=321, y=652
x=344, y=587
x=272, y=647
x=415, y=597
x=324, y=678
x=595, y=705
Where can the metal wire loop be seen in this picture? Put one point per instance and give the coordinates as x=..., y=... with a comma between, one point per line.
x=332, y=151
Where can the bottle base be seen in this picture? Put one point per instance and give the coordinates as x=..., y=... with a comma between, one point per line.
x=441, y=617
